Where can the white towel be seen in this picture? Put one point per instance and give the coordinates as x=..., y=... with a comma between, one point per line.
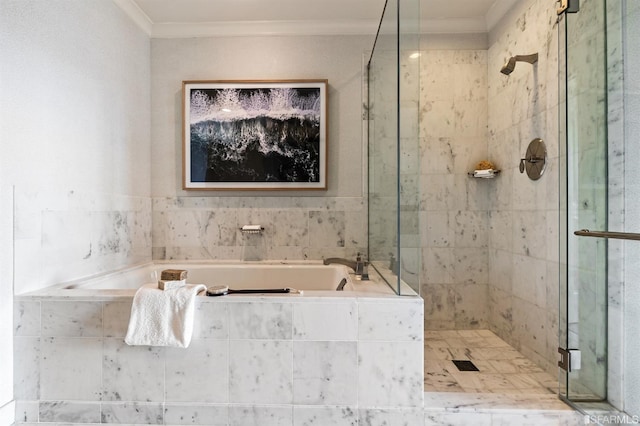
x=163, y=317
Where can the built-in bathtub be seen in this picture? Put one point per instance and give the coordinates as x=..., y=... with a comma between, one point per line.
x=337, y=356
x=262, y=275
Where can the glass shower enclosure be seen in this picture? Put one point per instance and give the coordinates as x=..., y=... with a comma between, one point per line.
x=600, y=205
x=393, y=147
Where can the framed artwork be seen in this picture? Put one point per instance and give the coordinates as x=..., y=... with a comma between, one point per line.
x=255, y=135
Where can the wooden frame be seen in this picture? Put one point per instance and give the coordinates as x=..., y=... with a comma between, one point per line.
x=254, y=135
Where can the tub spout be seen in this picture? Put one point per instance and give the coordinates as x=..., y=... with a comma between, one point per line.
x=359, y=266
x=340, y=261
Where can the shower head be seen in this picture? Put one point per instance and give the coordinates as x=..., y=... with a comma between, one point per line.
x=510, y=65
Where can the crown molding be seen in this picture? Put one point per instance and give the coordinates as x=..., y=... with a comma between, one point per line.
x=453, y=26
x=136, y=14
x=307, y=27
x=263, y=28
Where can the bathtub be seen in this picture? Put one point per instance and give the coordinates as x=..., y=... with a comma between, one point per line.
x=314, y=279
x=257, y=355
x=238, y=276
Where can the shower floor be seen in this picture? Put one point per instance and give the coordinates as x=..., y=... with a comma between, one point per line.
x=502, y=369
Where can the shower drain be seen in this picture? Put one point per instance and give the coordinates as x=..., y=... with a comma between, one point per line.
x=465, y=365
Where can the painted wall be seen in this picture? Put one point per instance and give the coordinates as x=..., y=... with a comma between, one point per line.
x=74, y=129
x=298, y=225
x=523, y=214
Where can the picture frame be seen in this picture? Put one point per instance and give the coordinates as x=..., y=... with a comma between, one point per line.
x=254, y=135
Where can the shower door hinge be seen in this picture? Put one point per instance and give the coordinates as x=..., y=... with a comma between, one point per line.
x=570, y=359
x=568, y=6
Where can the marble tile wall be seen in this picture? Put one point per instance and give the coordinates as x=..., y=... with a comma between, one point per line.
x=298, y=225
x=523, y=215
x=202, y=228
x=64, y=235
x=624, y=299
x=75, y=367
x=454, y=208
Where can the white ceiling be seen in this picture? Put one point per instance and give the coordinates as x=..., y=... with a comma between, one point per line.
x=189, y=18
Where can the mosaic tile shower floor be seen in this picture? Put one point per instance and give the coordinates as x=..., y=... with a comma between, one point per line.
x=502, y=369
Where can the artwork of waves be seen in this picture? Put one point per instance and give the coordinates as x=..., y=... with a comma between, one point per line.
x=255, y=135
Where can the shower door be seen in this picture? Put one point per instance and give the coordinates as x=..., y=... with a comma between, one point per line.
x=584, y=202
x=600, y=192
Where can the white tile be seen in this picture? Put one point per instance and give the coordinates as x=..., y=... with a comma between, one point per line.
x=198, y=373
x=211, y=320
x=262, y=320
x=70, y=369
x=260, y=372
x=193, y=414
x=132, y=413
x=458, y=419
x=325, y=321
x=26, y=367
x=26, y=319
x=395, y=417
x=71, y=319
x=115, y=318
x=67, y=411
x=132, y=373
x=391, y=321
x=260, y=416
x=390, y=374
x=325, y=373
x=336, y=416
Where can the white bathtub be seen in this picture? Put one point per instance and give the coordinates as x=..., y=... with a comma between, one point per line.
x=237, y=276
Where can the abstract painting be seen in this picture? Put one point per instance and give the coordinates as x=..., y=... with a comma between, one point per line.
x=255, y=135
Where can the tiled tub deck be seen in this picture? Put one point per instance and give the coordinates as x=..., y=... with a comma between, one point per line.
x=353, y=359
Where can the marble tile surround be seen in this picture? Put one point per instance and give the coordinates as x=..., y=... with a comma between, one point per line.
x=296, y=228
x=523, y=214
x=291, y=372
x=64, y=235
x=453, y=214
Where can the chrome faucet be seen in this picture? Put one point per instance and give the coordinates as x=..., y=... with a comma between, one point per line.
x=359, y=266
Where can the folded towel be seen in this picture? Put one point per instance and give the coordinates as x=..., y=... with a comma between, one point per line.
x=163, y=317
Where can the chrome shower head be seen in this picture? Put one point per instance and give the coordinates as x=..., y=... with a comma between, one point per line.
x=510, y=65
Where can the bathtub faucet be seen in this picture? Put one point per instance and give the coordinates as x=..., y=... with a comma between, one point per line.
x=359, y=266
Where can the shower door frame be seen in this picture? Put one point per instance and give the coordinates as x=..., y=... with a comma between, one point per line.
x=583, y=121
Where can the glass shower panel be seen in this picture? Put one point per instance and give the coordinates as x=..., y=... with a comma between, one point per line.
x=409, y=146
x=584, y=281
x=382, y=103
x=393, y=94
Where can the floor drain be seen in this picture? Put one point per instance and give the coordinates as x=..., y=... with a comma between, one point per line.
x=465, y=365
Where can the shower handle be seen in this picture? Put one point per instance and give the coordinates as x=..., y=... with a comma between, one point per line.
x=535, y=160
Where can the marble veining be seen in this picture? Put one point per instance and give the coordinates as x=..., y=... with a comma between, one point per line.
x=502, y=368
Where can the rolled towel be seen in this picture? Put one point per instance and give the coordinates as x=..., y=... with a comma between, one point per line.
x=163, y=317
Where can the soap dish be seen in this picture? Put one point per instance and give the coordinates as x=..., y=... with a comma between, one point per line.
x=484, y=174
